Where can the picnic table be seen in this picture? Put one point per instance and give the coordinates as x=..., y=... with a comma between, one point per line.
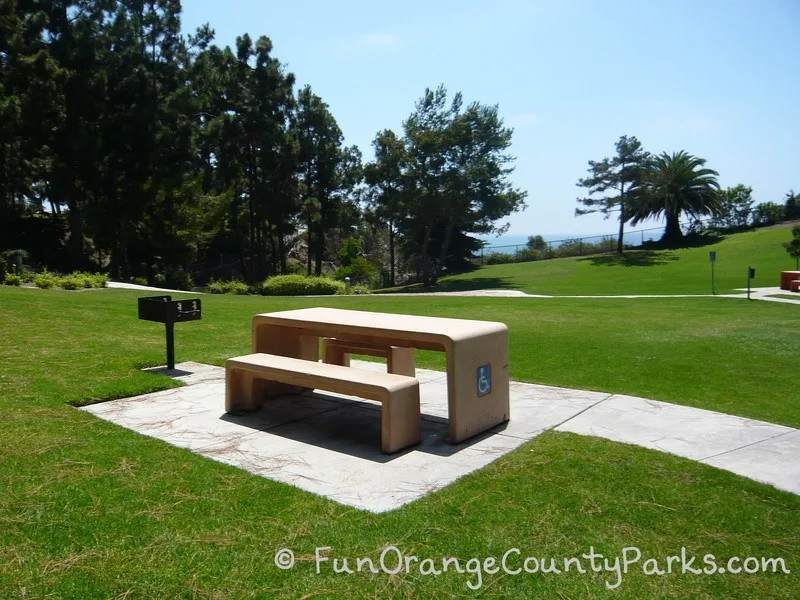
x=787, y=277
x=477, y=353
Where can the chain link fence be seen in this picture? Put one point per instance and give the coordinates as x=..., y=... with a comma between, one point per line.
x=575, y=246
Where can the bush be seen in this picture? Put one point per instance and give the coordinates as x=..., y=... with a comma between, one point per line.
x=178, y=279
x=140, y=280
x=3, y=269
x=228, y=287
x=295, y=268
x=98, y=280
x=71, y=282
x=300, y=285
x=499, y=258
x=27, y=275
x=360, y=290
x=12, y=279
x=768, y=213
x=359, y=269
x=45, y=280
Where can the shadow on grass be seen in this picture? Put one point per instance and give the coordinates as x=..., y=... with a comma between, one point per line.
x=457, y=285
x=695, y=240
x=632, y=258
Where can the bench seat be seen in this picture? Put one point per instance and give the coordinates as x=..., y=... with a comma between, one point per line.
x=399, y=360
x=248, y=379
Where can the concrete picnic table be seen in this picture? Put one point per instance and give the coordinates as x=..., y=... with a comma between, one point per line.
x=477, y=353
x=787, y=277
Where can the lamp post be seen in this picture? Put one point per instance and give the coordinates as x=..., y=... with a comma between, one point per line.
x=712, y=256
x=751, y=273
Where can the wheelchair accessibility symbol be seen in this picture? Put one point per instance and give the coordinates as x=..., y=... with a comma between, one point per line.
x=484, y=380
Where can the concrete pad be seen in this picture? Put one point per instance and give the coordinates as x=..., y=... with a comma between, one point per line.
x=536, y=408
x=191, y=372
x=690, y=432
x=329, y=444
x=335, y=455
x=775, y=461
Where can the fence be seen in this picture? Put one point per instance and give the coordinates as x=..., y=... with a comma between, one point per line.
x=578, y=246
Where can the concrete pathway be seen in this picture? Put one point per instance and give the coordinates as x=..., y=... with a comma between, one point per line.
x=329, y=444
x=121, y=285
x=755, y=293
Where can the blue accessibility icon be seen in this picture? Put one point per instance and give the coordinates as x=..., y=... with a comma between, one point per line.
x=484, y=380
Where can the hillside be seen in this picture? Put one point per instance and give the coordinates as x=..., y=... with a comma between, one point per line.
x=681, y=271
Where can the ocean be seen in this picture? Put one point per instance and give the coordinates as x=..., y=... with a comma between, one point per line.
x=508, y=244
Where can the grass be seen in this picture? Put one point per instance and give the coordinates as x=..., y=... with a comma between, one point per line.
x=91, y=510
x=681, y=271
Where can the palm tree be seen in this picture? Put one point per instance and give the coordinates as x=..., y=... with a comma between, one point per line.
x=674, y=184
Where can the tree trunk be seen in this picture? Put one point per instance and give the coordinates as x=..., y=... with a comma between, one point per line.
x=5, y=203
x=672, y=232
x=75, y=224
x=426, y=271
x=282, y=253
x=251, y=221
x=391, y=253
x=319, y=250
x=308, y=247
x=621, y=228
x=448, y=231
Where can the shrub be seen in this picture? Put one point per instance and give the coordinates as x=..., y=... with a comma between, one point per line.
x=354, y=290
x=12, y=279
x=140, y=280
x=178, y=279
x=27, y=275
x=3, y=269
x=80, y=280
x=359, y=269
x=360, y=290
x=299, y=285
x=577, y=247
x=45, y=280
x=768, y=213
x=70, y=282
x=98, y=280
x=296, y=268
x=499, y=258
x=10, y=257
x=228, y=287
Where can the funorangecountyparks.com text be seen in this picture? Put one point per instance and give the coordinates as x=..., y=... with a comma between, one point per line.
x=514, y=562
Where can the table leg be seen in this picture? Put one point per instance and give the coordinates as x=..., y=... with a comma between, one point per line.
x=471, y=408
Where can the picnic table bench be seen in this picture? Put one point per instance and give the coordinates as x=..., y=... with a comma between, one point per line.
x=249, y=378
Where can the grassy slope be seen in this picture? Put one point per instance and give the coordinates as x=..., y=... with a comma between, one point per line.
x=89, y=510
x=683, y=271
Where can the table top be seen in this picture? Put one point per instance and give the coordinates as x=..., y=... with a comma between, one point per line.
x=381, y=323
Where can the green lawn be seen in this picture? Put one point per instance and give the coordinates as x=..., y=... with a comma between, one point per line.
x=682, y=271
x=90, y=510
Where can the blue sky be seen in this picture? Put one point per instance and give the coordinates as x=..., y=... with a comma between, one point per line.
x=719, y=79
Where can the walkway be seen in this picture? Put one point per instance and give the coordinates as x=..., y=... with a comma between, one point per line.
x=755, y=294
x=329, y=444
